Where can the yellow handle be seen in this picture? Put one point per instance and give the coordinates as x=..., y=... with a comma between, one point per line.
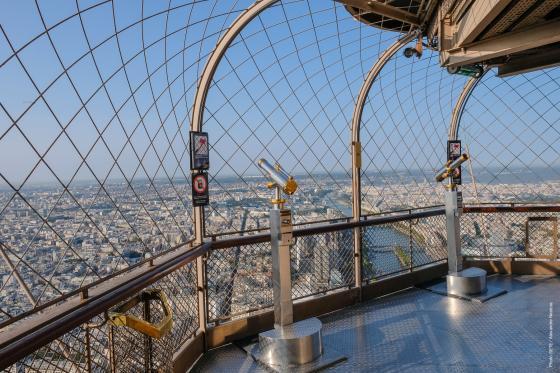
x=159, y=330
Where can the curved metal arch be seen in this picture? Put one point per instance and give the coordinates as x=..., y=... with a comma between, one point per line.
x=206, y=79
x=356, y=147
x=215, y=58
x=460, y=105
x=357, y=118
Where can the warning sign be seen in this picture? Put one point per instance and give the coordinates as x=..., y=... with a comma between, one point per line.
x=200, y=151
x=200, y=189
x=454, y=152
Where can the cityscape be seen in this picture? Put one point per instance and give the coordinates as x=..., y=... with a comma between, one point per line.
x=61, y=240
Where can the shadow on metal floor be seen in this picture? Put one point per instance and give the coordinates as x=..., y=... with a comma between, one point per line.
x=419, y=331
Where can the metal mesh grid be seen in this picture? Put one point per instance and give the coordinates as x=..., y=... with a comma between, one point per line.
x=100, y=347
x=95, y=127
x=322, y=262
x=239, y=280
x=394, y=248
x=285, y=91
x=504, y=234
x=508, y=126
x=404, y=133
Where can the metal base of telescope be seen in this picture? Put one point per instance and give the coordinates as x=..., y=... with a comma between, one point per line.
x=294, y=348
x=468, y=284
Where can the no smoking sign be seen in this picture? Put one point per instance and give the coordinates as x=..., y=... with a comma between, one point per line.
x=200, y=189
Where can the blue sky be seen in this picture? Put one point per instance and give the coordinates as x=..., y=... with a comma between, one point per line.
x=285, y=90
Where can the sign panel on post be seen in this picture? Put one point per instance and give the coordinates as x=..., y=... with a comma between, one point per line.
x=200, y=189
x=454, y=152
x=200, y=151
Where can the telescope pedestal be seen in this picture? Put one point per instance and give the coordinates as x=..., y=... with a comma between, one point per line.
x=467, y=282
x=289, y=347
x=462, y=283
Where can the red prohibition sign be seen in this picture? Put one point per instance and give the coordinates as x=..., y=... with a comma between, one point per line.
x=200, y=184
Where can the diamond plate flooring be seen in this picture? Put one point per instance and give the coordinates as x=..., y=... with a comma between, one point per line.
x=419, y=331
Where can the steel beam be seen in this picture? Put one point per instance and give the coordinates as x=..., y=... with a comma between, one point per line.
x=476, y=19
x=356, y=146
x=460, y=105
x=503, y=45
x=384, y=10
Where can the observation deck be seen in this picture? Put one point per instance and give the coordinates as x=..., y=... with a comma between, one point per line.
x=119, y=254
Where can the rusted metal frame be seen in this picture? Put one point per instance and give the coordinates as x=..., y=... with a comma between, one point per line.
x=356, y=148
x=20, y=341
x=85, y=289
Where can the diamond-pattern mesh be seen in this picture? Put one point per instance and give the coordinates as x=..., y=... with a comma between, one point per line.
x=94, y=119
x=504, y=234
x=239, y=280
x=322, y=263
x=121, y=348
x=404, y=132
x=394, y=248
x=509, y=127
x=285, y=91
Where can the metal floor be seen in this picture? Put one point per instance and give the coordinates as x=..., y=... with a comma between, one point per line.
x=419, y=331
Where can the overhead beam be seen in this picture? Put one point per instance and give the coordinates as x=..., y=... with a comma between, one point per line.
x=532, y=62
x=388, y=11
x=503, y=45
x=477, y=18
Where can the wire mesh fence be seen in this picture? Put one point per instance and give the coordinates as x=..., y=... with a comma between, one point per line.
x=98, y=346
x=509, y=127
x=510, y=235
x=395, y=248
x=404, y=132
x=285, y=90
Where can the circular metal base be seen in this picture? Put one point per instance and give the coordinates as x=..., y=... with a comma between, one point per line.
x=467, y=282
x=295, y=344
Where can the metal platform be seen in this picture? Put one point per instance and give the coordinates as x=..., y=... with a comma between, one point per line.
x=420, y=331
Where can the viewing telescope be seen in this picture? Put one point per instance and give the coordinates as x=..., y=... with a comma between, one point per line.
x=279, y=177
x=450, y=166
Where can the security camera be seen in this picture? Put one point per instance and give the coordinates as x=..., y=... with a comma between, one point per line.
x=278, y=176
x=409, y=52
x=450, y=166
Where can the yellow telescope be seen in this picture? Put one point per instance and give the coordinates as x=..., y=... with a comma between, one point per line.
x=450, y=166
x=279, y=177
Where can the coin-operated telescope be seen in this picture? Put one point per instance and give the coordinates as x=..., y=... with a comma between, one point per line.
x=450, y=168
x=471, y=282
x=280, y=181
x=289, y=344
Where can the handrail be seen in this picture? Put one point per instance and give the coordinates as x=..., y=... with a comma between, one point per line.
x=505, y=209
x=19, y=342
x=325, y=228
x=44, y=327
x=91, y=285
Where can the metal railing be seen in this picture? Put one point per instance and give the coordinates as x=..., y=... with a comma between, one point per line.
x=73, y=335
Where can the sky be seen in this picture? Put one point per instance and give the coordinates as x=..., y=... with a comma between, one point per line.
x=285, y=90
